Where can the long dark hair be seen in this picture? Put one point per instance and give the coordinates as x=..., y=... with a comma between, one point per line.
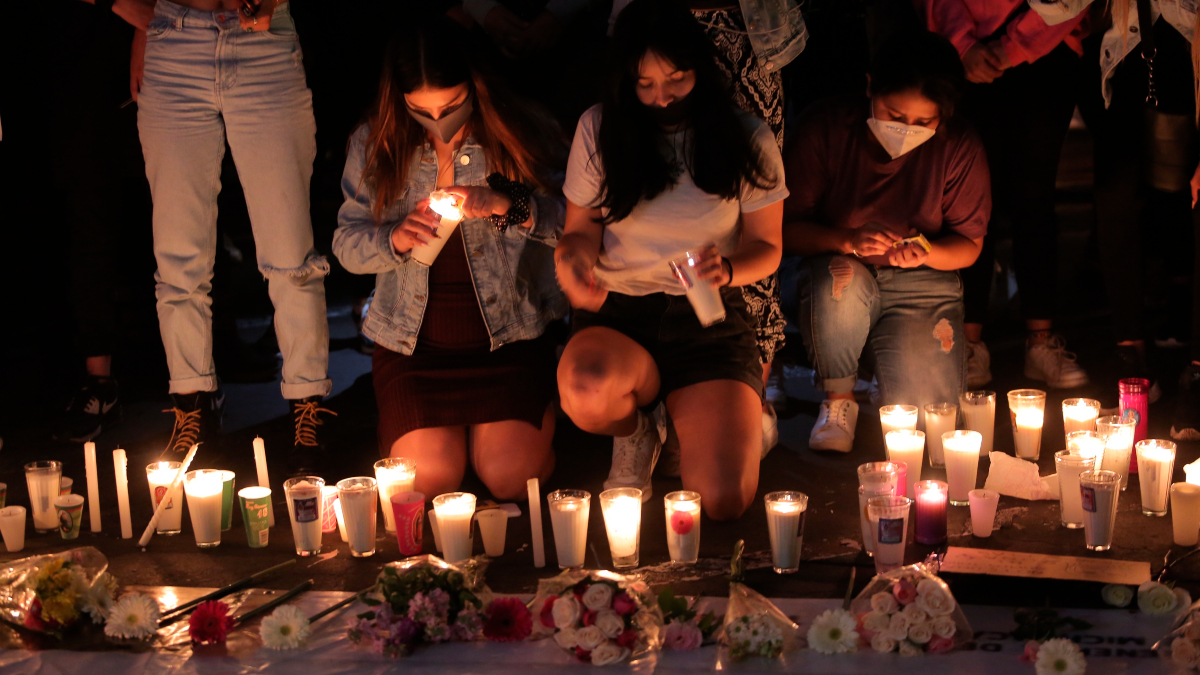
x=720, y=156
x=520, y=141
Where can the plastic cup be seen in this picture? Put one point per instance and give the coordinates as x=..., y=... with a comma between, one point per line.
x=44, y=480
x=493, y=525
x=889, y=528
x=12, y=527
x=65, y=485
x=227, y=492
x=256, y=514
x=703, y=296
x=1185, y=513
x=70, y=512
x=983, y=511
x=408, y=512
x=304, y=501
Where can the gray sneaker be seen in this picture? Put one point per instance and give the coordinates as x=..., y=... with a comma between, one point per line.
x=835, y=426
x=1050, y=362
x=979, y=365
x=634, y=457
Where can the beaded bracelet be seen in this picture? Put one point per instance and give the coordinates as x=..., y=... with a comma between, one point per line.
x=518, y=194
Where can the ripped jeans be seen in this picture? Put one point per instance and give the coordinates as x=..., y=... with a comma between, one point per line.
x=207, y=80
x=910, y=318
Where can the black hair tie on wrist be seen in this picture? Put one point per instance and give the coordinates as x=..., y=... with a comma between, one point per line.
x=517, y=193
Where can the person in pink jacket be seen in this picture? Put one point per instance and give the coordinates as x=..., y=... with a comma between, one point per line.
x=1023, y=72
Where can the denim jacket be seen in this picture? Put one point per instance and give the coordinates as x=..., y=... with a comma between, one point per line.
x=513, y=271
x=1121, y=40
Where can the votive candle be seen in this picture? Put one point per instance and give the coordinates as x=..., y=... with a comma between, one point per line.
x=931, y=497
x=1079, y=414
x=1156, y=463
x=785, y=526
x=1027, y=409
x=907, y=446
x=939, y=418
x=1185, y=513
x=394, y=475
x=893, y=417
x=622, y=511
x=979, y=414
x=962, y=463
x=1118, y=446
x=454, y=511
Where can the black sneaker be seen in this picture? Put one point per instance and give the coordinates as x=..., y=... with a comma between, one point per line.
x=95, y=405
x=308, y=447
x=197, y=420
x=1185, y=426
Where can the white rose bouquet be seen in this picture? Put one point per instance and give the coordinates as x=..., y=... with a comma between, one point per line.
x=599, y=617
x=910, y=610
x=753, y=626
x=1181, y=646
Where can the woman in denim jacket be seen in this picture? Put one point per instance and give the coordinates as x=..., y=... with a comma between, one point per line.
x=460, y=360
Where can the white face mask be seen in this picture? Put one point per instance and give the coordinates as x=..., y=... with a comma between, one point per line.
x=898, y=138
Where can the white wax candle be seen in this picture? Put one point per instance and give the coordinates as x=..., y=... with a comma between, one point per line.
x=622, y=519
x=783, y=528
x=93, y=485
x=962, y=464
x=1068, y=466
x=1156, y=460
x=120, y=466
x=1079, y=414
x=683, y=526
x=454, y=511
x=1185, y=513
x=893, y=417
x=393, y=477
x=341, y=521
x=938, y=420
x=446, y=206
x=569, y=519
x=908, y=446
x=979, y=414
x=1027, y=436
x=183, y=468
x=264, y=480
x=204, y=505
x=1191, y=472
x=535, y=522
x=160, y=476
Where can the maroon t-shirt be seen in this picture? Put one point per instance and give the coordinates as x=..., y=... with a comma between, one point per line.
x=839, y=175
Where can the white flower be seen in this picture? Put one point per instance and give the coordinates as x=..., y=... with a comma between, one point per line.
x=1156, y=598
x=876, y=621
x=286, y=628
x=566, y=638
x=943, y=626
x=934, y=600
x=909, y=649
x=589, y=638
x=133, y=616
x=1184, y=599
x=920, y=633
x=883, y=643
x=884, y=602
x=1117, y=595
x=897, y=627
x=1184, y=653
x=915, y=614
x=927, y=586
x=609, y=653
x=598, y=597
x=566, y=612
x=98, y=600
x=610, y=623
x=833, y=632
x=1060, y=656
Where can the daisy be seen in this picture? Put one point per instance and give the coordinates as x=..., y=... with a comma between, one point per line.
x=133, y=616
x=1060, y=657
x=98, y=600
x=286, y=628
x=833, y=632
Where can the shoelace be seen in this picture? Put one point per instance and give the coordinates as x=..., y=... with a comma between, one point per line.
x=307, y=422
x=1057, y=347
x=187, y=430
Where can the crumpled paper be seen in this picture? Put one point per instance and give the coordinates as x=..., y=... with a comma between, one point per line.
x=1019, y=478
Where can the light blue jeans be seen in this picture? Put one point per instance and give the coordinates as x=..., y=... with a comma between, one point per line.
x=910, y=319
x=207, y=80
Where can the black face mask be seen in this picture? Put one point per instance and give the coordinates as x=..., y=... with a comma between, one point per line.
x=673, y=114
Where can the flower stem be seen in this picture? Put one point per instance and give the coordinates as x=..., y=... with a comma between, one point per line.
x=329, y=610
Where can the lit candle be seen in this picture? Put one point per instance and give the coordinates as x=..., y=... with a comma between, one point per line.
x=1185, y=513
x=1156, y=461
x=341, y=520
x=395, y=475
x=865, y=493
x=1027, y=410
x=160, y=476
x=907, y=446
x=183, y=467
x=203, y=489
x=535, y=522
x=260, y=463
x=939, y=418
x=569, y=510
x=93, y=484
x=622, y=510
x=1069, y=464
x=1086, y=444
x=893, y=417
x=445, y=205
x=683, y=525
x=1192, y=472
x=785, y=525
x=1079, y=414
x=880, y=472
x=120, y=465
x=454, y=511
x=1118, y=446
x=962, y=464
x=979, y=414
x=931, y=496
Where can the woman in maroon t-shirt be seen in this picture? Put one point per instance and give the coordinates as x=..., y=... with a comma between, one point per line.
x=867, y=178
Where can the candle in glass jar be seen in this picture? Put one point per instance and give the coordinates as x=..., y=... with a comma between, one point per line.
x=1118, y=446
x=979, y=414
x=962, y=464
x=160, y=476
x=907, y=447
x=1069, y=465
x=1027, y=409
x=1185, y=513
x=1191, y=472
x=785, y=526
x=865, y=493
x=683, y=525
x=880, y=472
x=1156, y=462
x=394, y=475
x=893, y=417
x=939, y=418
x=622, y=511
x=931, y=497
x=454, y=511
x=1079, y=414
x=1086, y=444
x=569, y=511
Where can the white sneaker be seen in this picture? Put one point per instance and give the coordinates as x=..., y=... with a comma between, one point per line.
x=634, y=457
x=1051, y=363
x=770, y=429
x=835, y=426
x=979, y=365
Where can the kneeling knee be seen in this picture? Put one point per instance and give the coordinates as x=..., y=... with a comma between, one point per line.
x=584, y=385
x=726, y=502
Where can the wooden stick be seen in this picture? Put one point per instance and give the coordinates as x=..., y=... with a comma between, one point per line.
x=162, y=506
x=329, y=610
x=274, y=603
x=173, y=615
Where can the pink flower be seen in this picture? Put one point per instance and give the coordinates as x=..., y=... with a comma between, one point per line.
x=589, y=618
x=683, y=636
x=939, y=644
x=1030, y=653
x=624, y=605
x=904, y=591
x=628, y=639
x=546, y=616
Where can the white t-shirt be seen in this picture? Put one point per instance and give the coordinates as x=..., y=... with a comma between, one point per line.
x=635, y=251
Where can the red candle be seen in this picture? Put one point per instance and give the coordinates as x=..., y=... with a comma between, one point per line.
x=931, y=496
x=901, y=479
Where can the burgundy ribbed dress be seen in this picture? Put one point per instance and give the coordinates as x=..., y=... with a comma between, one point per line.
x=452, y=377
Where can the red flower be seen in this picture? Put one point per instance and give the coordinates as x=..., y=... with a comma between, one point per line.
x=939, y=645
x=682, y=522
x=581, y=588
x=624, y=605
x=628, y=639
x=589, y=618
x=508, y=620
x=547, y=614
x=1031, y=651
x=209, y=623
x=583, y=654
x=904, y=591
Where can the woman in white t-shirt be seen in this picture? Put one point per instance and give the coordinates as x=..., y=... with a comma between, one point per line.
x=667, y=166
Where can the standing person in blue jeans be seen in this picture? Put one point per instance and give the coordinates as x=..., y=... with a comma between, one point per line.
x=214, y=73
x=863, y=176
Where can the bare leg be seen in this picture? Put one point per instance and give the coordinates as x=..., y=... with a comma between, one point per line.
x=603, y=378
x=507, y=454
x=720, y=439
x=440, y=454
